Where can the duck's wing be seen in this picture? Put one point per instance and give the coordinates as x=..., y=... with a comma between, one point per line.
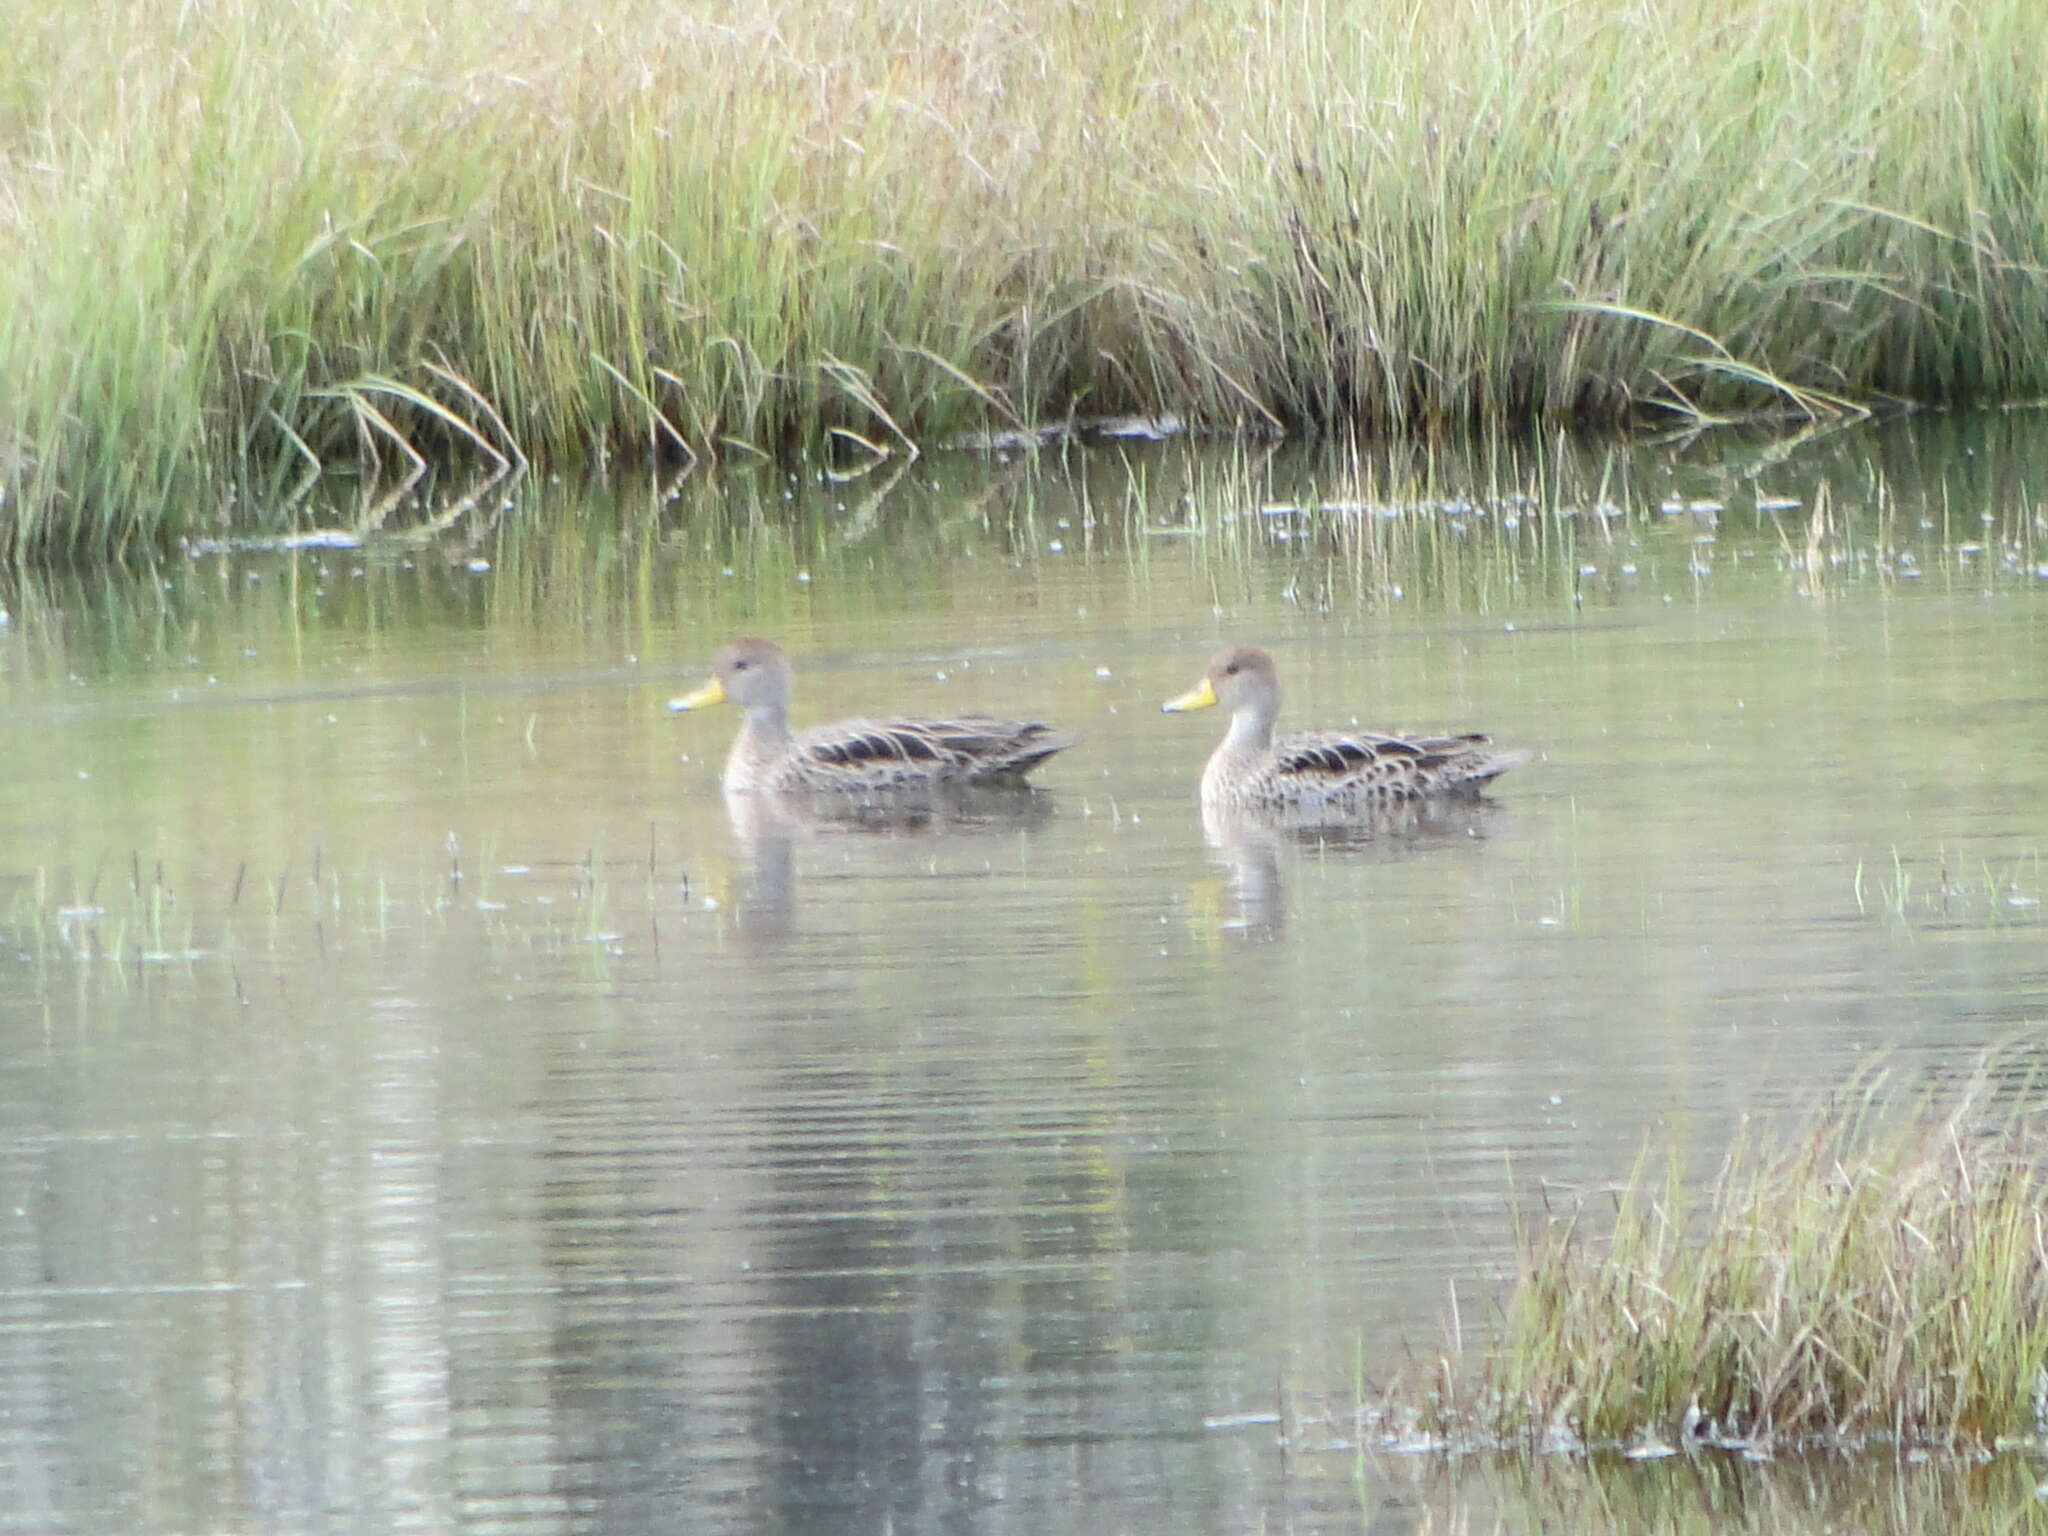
x=1365, y=762
x=967, y=748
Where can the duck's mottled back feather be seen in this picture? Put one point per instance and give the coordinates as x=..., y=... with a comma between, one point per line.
x=971, y=749
x=1340, y=766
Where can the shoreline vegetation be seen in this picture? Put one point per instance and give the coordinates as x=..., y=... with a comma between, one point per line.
x=1877, y=1282
x=252, y=242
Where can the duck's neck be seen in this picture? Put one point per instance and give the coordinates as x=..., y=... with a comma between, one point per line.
x=1249, y=738
x=763, y=741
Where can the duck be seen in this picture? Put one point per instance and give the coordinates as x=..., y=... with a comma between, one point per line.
x=859, y=757
x=1329, y=771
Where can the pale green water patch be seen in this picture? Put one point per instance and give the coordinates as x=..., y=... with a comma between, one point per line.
x=417, y=1082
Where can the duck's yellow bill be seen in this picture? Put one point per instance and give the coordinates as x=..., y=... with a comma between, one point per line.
x=1201, y=696
x=710, y=692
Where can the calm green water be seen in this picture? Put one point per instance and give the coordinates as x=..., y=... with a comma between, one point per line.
x=423, y=1107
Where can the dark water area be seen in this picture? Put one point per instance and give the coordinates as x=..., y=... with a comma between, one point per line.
x=426, y=1104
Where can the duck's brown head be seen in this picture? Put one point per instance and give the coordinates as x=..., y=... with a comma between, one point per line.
x=1238, y=675
x=749, y=673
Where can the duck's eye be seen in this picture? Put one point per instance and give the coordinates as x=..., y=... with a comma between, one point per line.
x=1231, y=670
x=740, y=666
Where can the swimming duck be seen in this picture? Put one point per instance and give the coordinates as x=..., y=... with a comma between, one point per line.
x=1327, y=770
x=857, y=756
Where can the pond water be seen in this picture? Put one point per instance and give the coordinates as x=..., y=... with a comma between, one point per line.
x=425, y=1106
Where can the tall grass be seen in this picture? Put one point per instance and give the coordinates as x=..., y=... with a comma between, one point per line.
x=247, y=238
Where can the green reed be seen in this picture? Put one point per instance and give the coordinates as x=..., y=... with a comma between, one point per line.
x=1882, y=1279
x=251, y=239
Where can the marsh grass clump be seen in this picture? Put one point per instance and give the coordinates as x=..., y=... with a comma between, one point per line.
x=252, y=239
x=1884, y=1279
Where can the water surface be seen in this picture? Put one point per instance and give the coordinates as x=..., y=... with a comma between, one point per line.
x=425, y=1105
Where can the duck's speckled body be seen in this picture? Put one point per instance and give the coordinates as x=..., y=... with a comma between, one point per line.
x=1323, y=770
x=858, y=757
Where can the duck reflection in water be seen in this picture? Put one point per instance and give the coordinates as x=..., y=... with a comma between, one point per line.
x=883, y=829
x=893, y=777
x=1378, y=794
x=1258, y=847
